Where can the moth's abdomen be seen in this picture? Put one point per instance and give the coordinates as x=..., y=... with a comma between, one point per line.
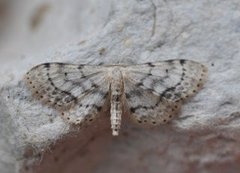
x=116, y=100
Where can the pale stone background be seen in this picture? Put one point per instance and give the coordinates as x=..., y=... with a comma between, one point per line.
x=204, y=138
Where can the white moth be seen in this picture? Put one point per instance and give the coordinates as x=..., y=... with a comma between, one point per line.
x=151, y=93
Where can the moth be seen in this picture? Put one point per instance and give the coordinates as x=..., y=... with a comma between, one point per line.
x=151, y=93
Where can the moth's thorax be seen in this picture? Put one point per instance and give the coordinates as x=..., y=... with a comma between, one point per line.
x=116, y=89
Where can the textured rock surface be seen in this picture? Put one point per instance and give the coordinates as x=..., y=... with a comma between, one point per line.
x=205, y=137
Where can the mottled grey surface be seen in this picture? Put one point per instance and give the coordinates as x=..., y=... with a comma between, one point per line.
x=205, y=137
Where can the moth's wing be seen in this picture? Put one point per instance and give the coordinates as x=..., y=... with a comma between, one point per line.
x=69, y=87
x=88, y=106
x=155, y=90
x=146, y=108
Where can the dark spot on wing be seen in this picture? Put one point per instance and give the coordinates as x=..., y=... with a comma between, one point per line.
x=150, y=64
x=182, y=61
x=46, y=65
x=127, y=95
x=99, y=108
x=101, y=63
x=54, y=92
x=102, y=94
x=132, y=109
x=168, y=95
x=68, y=99
x=166, y=91
x=139, y=84
x=149, y=74
x=170, y=61
x=102, y=51
x=150, y=90
x=60, y=64
x=133, y=93
x=80, y=67
x=94, y=85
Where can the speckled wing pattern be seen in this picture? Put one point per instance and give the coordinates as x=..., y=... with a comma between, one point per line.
x=155, y=91
x=78, y=92
x=152, y=93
